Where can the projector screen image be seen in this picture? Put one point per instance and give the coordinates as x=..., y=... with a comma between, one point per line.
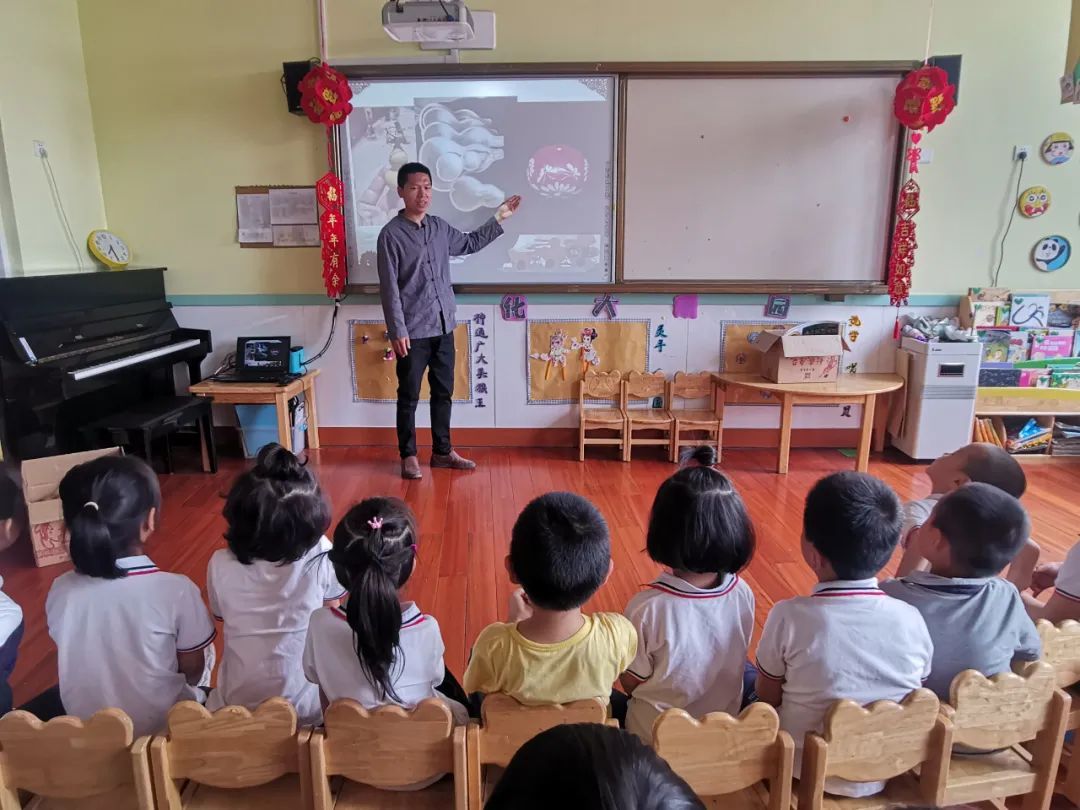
x=551, y=140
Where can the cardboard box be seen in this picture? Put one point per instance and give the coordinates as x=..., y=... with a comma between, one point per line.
x=795, y=357
x=41, y=484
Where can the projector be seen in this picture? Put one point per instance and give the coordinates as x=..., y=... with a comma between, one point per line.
x=427, y=21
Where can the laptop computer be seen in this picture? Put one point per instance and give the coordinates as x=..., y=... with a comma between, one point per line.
x=260, y=359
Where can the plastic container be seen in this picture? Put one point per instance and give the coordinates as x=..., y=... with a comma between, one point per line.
x=258, y=427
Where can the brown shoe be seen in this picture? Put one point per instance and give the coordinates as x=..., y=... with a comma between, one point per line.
x=410, y=469
x=452, y=461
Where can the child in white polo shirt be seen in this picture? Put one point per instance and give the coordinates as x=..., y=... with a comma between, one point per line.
x=694, y=623
x=266, y=584
x=128, y=635
x=848, y=639
x=380, y=648
x=1064, y=578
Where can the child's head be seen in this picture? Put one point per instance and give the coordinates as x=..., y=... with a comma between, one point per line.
x=110, y=508
x=13, y=519
x=851, y=524
x=698, y=521
x=559, y=551
x=978, y=462
x=275, y=511
x=974, y=531
x=373, y=555
x=590, y=765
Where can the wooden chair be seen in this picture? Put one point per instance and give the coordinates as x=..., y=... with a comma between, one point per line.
x=883, y=741
x=229, y=751
x=725, y=759
x=507, y=725
x=382, y=751
x=604, y=386
x=1061, y=649
x=638, y=386
x=66, y=763
x=1001, y=714
x=709, y=421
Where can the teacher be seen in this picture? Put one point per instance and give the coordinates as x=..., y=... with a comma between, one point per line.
x=414, y=251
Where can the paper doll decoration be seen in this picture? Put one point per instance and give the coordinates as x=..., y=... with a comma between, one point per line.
x=586, y=349
x=1034, y=201
x=1051, y=253
x=555, y=355
x=1057, y=148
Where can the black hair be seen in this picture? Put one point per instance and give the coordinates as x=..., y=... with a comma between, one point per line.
x=698, y=522
x=853, y=520
x=990, y=464
x=106, y=503
x=590, y=766
x=411, y=168
x=12, y=502
x=373, y=555
x=984, y=527
x=276, y=510
x=560, y=551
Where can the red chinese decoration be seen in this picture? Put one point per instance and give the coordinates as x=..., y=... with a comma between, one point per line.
x=330, y=192
x=902, y=256
x=325, y=95
x=924, y=98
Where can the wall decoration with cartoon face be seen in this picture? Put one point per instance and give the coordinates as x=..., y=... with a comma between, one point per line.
x=1051, y=253
x=1034, y=201
x=1057, y=148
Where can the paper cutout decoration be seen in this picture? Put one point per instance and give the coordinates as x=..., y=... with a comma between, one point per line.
x=605, y=304
x=514, y=308
x=778, y=306
x=1051, y=253
x=556, y=353
x=685, y=306
x=1057, y=148
x=1034, y=201
x=586, y=350
x=622, y=345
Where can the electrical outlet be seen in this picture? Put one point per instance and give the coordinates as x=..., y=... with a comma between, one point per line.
x=40, y=150
x=1021, y=152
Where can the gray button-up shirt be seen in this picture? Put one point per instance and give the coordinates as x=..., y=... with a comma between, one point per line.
x=414, y=272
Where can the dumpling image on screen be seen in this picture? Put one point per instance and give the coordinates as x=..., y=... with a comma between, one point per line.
x=468, y=194
x=558, y=171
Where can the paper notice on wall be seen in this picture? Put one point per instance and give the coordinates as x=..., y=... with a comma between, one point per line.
x=253, y=219
x=296, y=235
x=293, y=206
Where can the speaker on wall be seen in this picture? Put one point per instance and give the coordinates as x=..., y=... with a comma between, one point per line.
x=951, y=65
x=291, y=74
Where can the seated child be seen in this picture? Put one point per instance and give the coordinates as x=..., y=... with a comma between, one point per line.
x=848, y=639
x=979, y=463
x=127, y=634
x=379, y=649
x=1064, y=578
x=266, y=584
x=13, y=527
x=550, y=651
x=976, y=619
x=694, y=623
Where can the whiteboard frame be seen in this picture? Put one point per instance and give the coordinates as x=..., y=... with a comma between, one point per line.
x=623, y=72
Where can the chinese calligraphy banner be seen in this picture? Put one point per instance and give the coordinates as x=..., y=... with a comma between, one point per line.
x=375, y=378
x=559, y=353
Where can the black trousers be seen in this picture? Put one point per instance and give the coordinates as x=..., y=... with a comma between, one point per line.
x=436, y=355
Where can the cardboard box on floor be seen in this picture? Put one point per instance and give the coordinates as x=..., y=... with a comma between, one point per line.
x=41, y=488
x=795, y=357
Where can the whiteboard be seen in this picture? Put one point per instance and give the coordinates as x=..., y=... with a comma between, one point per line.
x=758, y=178
x=549, y=139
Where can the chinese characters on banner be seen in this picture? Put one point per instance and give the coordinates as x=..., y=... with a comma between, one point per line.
x=661, y=338
x=480, y=351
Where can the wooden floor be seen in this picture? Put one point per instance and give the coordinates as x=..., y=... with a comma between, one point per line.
x=466, y=518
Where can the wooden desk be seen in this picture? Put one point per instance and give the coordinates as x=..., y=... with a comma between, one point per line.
x=241, y=393
x=849, y=389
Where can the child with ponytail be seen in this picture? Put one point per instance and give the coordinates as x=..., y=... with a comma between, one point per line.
x=128, y=635
x=379, y=648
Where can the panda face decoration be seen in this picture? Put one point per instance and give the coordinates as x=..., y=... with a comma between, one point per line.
x=1051, y=253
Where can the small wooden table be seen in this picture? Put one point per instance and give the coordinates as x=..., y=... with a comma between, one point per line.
x=849, y=389
x=242, y=393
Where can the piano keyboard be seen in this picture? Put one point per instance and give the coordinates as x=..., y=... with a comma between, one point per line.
x=132, y=360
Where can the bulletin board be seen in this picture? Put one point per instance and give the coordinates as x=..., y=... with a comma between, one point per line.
x=738, y=356
x=375, y=378
x=621, y=344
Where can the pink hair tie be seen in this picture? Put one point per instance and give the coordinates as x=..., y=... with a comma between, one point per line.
x=375, y=523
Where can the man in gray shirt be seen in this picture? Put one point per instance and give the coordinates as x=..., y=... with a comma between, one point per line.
x=414, y=251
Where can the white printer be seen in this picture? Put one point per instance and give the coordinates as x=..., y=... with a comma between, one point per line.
x=939, y=397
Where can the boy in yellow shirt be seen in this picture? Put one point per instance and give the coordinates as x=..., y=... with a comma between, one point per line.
x=550, y=651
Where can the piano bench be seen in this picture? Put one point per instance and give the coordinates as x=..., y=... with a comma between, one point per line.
x=140, y=425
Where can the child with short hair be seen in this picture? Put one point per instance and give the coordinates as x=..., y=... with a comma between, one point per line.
x=380, y=648
x=695, y=622
x=976, y=619
x=13, y=527
x=266, y=584
x=128, y=635
x=550, y=651
x=848, y=639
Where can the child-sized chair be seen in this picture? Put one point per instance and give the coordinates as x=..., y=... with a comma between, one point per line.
x=232, y=758
x=1061, y=649
x=708, y=420
x=507, y=725
x=647, y=387
x=605, y=386
x=1021, y=719
x=66, y=763
x=383, y=751
x=883, y=741
x=721, y=755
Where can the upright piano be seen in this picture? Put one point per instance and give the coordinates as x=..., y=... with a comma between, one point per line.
x=76, y=347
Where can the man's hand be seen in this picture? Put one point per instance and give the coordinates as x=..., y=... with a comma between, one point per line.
x=1044, y=577
x=401, y=346
x=507, y=209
